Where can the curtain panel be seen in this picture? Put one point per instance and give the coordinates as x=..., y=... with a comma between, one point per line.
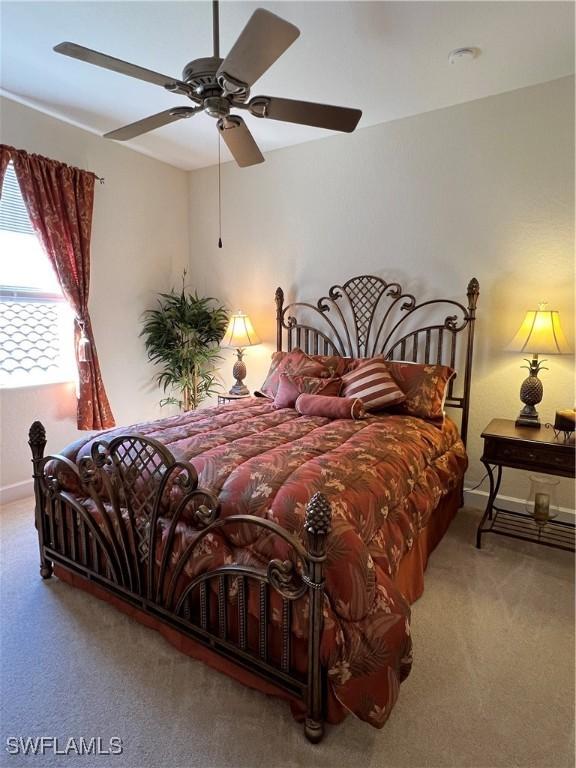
x=60, y=201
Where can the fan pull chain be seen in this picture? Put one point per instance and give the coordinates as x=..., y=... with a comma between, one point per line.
x=219, y=197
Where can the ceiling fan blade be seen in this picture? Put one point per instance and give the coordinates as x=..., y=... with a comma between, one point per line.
x=306, y=113
x=150, y=123
x=263, y=40
x=117, y=65
x=239, y=141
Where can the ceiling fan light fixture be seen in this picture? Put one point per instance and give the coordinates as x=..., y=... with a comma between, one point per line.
x=216, y=106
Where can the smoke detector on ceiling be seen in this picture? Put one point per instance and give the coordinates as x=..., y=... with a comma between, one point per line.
x=463, y=54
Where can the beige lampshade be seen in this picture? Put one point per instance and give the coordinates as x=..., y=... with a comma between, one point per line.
x=240, y=332
x=540, y=334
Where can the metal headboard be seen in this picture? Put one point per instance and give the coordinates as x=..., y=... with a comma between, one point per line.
x=367, y=317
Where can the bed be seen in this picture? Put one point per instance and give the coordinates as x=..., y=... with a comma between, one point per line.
x=282, y=549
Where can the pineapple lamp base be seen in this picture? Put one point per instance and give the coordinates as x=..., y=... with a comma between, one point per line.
x=239, y=373
x=531, y=393
x=528, y=417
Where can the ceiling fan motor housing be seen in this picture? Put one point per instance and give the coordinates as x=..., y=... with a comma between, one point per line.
x=201, y=75
x=214, y=91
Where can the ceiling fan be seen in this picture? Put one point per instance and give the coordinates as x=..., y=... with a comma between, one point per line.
x=216, y=86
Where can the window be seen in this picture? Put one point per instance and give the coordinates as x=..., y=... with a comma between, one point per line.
x=36, y=323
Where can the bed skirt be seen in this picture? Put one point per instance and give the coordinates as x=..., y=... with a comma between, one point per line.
x=409, y=579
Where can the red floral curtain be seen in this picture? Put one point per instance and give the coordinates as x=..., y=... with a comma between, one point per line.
x=59, y=200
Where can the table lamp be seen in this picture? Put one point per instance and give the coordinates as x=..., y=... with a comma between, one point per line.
x=240, y=334
x=540, y=334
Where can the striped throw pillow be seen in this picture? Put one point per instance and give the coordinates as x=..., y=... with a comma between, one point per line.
x=373, y=384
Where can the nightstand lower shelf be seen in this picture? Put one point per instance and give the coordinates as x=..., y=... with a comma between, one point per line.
x=515, y=525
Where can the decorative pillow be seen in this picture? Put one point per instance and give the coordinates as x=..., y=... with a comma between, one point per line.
x=353, y=363
x=270, y=386
x=425, y=387
x=330, y=407
x=335, y=363
x=373, y=384
x=298, y=363
x=292, y=386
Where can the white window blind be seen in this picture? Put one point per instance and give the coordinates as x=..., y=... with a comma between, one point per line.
x=13, y=214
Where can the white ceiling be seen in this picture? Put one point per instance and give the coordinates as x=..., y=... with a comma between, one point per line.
x=390, y=59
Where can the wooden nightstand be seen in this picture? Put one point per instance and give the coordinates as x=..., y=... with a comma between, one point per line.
x=506, y=445
x=228, y=398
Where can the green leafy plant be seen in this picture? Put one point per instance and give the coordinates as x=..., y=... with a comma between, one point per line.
x=182, y=336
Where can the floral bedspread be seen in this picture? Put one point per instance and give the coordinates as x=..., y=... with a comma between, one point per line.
x=384, y=476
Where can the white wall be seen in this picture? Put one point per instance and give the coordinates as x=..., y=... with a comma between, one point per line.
x=482, y=189
x=139, y=247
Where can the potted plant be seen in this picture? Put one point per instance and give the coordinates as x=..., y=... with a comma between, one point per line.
x=182, y=336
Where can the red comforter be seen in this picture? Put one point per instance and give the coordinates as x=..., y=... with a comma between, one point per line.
x=384, y=476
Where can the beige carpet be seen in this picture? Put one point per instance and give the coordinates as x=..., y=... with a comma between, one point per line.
x=492, y=683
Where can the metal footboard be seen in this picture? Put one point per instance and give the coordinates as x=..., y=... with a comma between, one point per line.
x=113, y=518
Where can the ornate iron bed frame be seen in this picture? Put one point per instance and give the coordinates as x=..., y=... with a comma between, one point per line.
x=372, y=318
x=128, y=478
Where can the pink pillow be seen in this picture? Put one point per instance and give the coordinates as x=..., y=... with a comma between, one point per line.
x=291, y=386
x=331, y=407
x=298, y=363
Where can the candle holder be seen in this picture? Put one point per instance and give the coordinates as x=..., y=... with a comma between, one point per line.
x=542, y=502
x=564, y=424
